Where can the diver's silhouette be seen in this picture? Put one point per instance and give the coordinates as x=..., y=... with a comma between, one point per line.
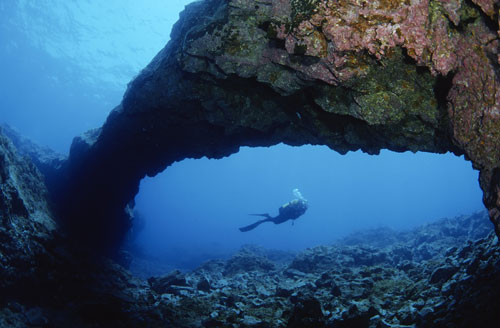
x=290, y=211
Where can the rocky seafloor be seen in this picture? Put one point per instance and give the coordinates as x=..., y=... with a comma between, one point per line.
x=443, y=274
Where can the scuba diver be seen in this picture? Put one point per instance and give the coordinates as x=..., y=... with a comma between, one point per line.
x=290, y=211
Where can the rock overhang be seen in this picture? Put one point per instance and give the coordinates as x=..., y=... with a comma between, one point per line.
x=414, y=75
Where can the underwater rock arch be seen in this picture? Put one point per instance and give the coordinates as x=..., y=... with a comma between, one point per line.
x=418, y=76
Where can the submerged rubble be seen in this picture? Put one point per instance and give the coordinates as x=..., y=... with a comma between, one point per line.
x=417, y=278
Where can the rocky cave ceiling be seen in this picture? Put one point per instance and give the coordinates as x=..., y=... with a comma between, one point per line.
x=418, y=75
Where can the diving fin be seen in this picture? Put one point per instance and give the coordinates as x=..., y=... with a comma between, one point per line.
x=254, y=225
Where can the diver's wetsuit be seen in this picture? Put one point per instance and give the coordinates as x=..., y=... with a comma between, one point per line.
x=289, y=211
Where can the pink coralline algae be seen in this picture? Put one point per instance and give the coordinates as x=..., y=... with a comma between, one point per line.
x=443, y=56
x=475, y=98
x=352, y=28
x=487, y=6
x=451, y=8
x=344, y=36
x=376, y=27
x=309, y=39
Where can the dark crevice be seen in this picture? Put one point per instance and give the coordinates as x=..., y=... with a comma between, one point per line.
x=491, y=23
x=465, y=20
x=265, y=26
x=277, y=44
x=463, y=24
x=493, y=58
x=248, y=87
x=304, y=60
x=422, y=69
x=442, y=88
x=407, y=59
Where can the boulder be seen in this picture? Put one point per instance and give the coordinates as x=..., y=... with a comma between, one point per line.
x=163, y=285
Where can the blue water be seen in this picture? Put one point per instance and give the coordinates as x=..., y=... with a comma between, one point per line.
x=65, y=65
x=201, y=203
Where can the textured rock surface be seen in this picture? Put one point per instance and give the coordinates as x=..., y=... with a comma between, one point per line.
x=419, y=75
x=45, y=281
x=48, y=162
x=438, y=275
x=26, y=224
x=45, y=159
x=442, y=274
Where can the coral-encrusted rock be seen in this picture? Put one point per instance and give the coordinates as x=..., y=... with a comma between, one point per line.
x=418, y=75
x=487, y=6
